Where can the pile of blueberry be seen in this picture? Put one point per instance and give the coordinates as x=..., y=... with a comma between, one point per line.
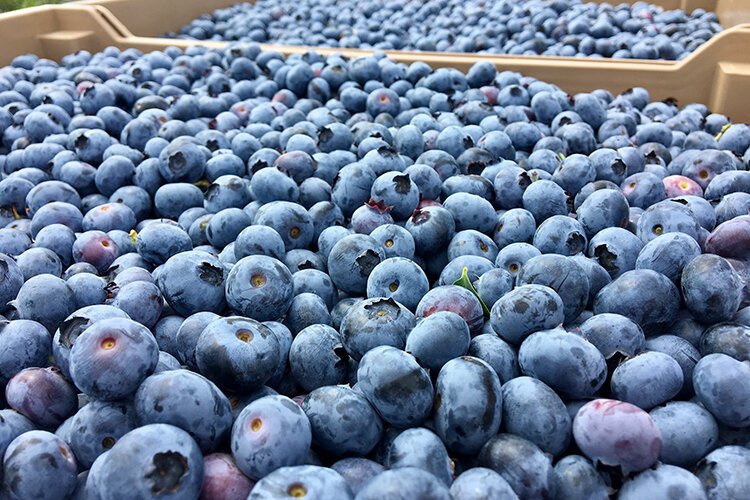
x=227, y=274
x=534, y=27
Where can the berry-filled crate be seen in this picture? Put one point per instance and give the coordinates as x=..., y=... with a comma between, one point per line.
x=223, y=276
x=716, y=74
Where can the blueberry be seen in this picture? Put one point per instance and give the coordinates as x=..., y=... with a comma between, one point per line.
x=468, y=404
x=102, y=351
x=23, y=344
x=404, y=483
x=717, y=379
x=578, y=478
x=351, y=261
x=52, y=478
x=562, y=274
x=525, y=310
x=192, y=282
x=663, y=480
x=655, y=370
x=31, y=303
x=432, y=229
x=237, y=353
x=437, y=339
x=259, y=287
x=342, y=421
x=162, y=460
x=711, y=288
x=73, y=326
x=714, y=471
x=524, y=466
x=357, y=472
x=302, y=480
x=317, y=357
x=561, y=235
x=43, y=395
x=397, y=387
x=159, y=241
x=577, y=369
x=613, y=334
x=533, y=411
x=223, y=479
x=423, y=449
x=188, y=401
x=688, y=432
x=97, y=426
x=618, y=434
x=142, y=301
x=648, y=298
x=270, y=433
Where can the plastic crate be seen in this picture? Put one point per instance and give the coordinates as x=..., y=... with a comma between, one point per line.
x=165, y=16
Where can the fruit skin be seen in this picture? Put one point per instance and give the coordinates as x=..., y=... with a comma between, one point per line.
x=524, y=466
x=480, y=482
x=454, y=299
x=357, y=472
x=387, y=278
x=313, y=481
x=396, y=386
x=578, y=478
x=403, y=484
x=719, y=379
x=375, y=322
x=48, y=479
x=100, y=355
x=43, y=395
x=72, y=328
x=421, y=448
x=535, y=412
x=613, y=334
x=726, y=338
x=437, y=339
x=222, y=479
x=32, y=295
x=163, y=462
x=500, y=355
x=237, y=353
x=618, y=434
x=12, y=279
x=270, y=433
x=524, y=310
x=567, y=363
x=716, y=472
x=661, y=480
x=351, y=261
x=647, y=379
x=731, y=238
x=97, y=426
x=564, y=275
x=188, y=401
x=259, y=287
x=468, y=404
x=23, y=344
x=648, y=298
x=711, y=288
x=342, y=421
x=688, y=432
x=668, y=254
x=193, y=282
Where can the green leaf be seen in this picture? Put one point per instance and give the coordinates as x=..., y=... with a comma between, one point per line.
x=465, y=282
x=561, y=156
